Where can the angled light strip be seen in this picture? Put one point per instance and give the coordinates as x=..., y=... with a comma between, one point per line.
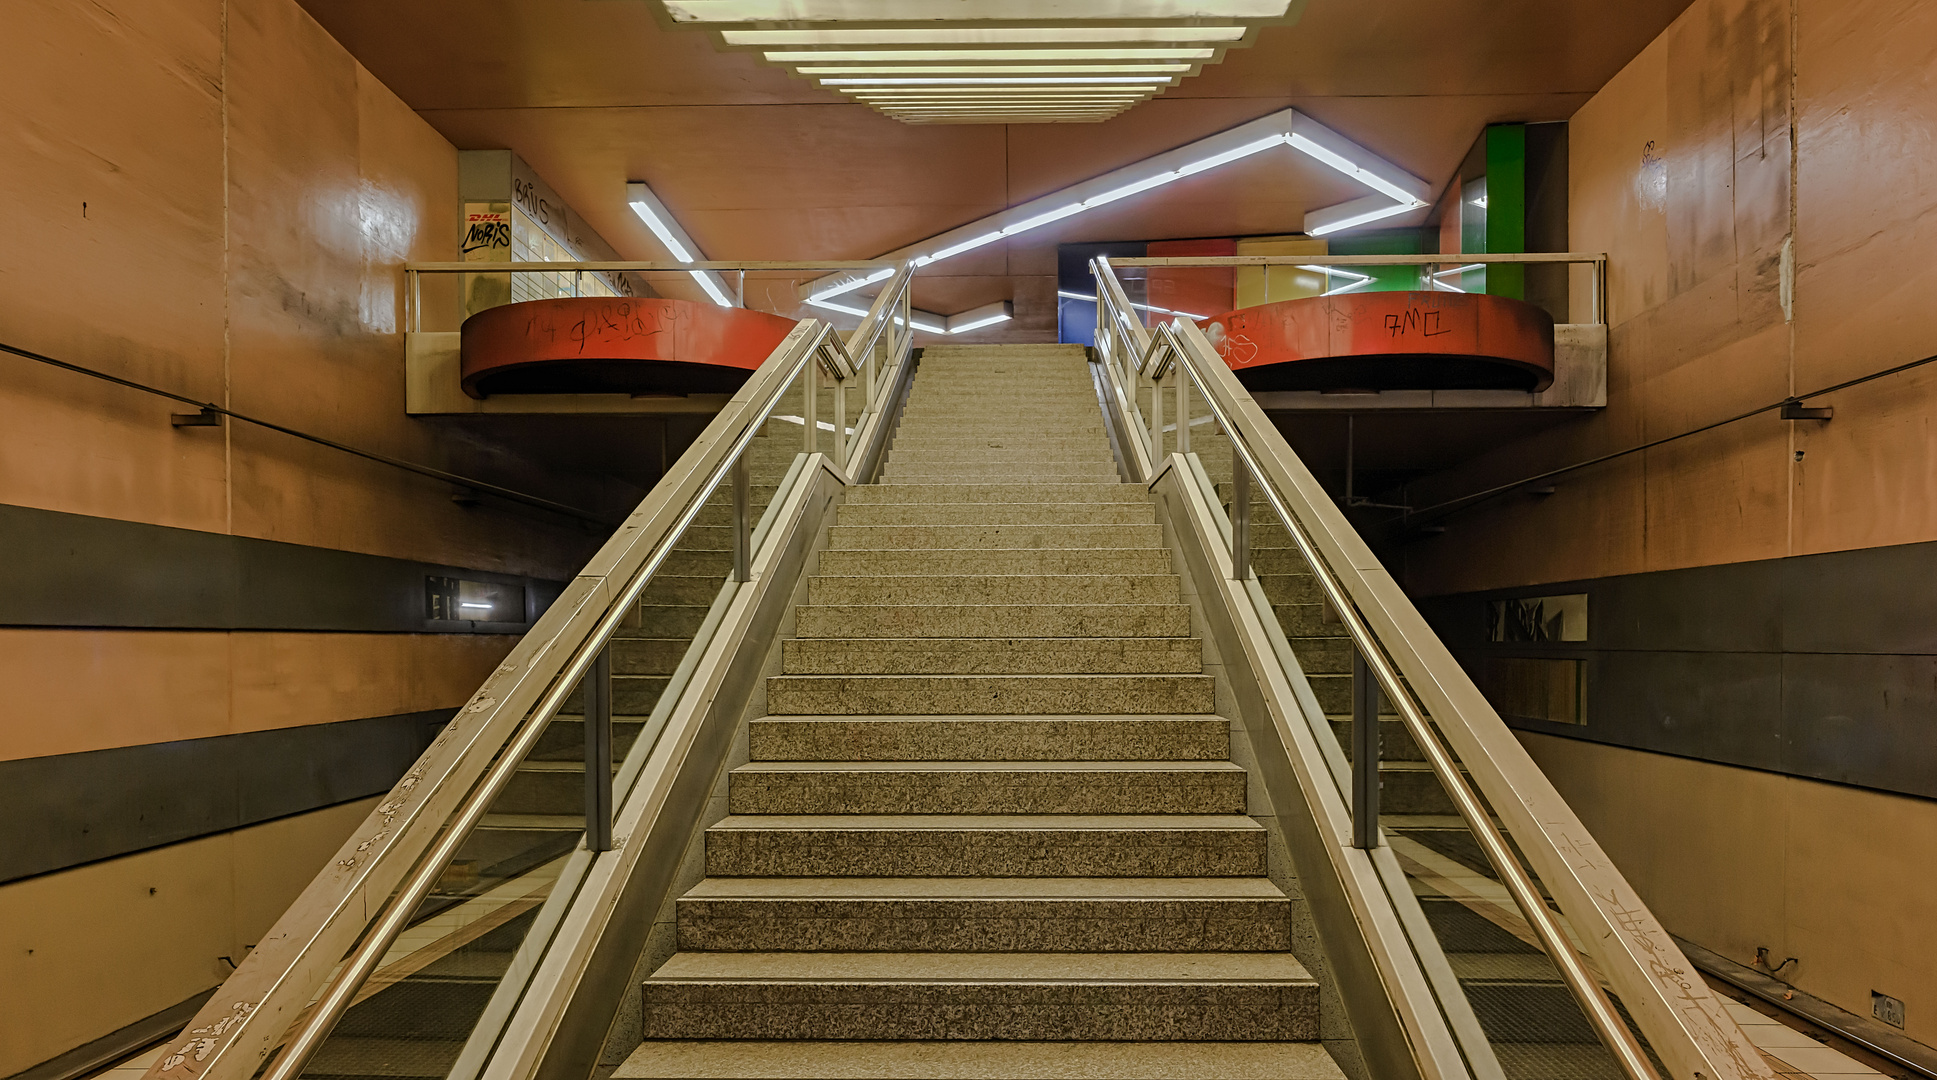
x=1438, y=284
x=654, y=213
x=1342, y=164
x=1067, y=295
x=992, y=56
x=1284, y=126
x=976, y=318
x=1357, y=212
x=1023, y=35
x=1329, y=271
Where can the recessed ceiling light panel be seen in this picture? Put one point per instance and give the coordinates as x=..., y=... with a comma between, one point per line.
x=1013, y=44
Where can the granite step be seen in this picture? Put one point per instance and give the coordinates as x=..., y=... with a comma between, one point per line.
x=647, y=655
x=911, y=561
x=981, y=513
x=1051, y=915
x=986, y=787
x=990, y=656
x=998, y=589
x=999, y=535
x=994, y=621
x=1045, y=473
x=997, y=451
x=990, y=738
x=1109, y=997
x=914, y=494
x=945, y=1060
x=852, y=695
x=947, y=845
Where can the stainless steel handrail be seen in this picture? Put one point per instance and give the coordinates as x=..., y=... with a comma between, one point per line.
x=1597, y=261
x=414, y=272
x=488, y=741
x=1693, y=1036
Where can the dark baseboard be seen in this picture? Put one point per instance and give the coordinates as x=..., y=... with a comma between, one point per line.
x=90, y=1058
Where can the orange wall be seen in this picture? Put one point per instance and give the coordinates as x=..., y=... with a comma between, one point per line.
x=1697, y=328
x=1682, y=170
x=212, y=197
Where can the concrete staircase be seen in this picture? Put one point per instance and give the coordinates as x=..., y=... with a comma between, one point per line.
x=990, y=826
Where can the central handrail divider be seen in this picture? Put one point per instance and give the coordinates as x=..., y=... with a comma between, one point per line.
x=1445, y=714
x=289, y=992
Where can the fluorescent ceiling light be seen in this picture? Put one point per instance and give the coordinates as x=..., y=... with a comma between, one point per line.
x=1140, y=307
x=659, y=228
x=1369, y=179
x=989, y=320
x=957, y=249
x=1362, y=219
x=959, y=11
x=989, y=69
x=860, y=282
x=984, y=35
x=976, y=318
x=963, y=56
x=1204, y=155
x=971, y=80
x=822, y=301
x=712, y=287
x=1330, y=271
x=1229, y=156
x=1479, y=201
x=644, y=203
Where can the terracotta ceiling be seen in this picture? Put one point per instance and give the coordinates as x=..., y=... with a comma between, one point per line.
x=757, y=164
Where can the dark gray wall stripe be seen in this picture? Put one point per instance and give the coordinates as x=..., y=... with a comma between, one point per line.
x=1819, y=666
x=68, y=570
x=68, y=809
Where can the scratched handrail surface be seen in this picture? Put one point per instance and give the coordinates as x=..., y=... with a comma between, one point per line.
x=1452, y=723
x=298, y=981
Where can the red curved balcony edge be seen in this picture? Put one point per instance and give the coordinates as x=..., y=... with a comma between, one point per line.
x=614, y=344
x=1388, y=341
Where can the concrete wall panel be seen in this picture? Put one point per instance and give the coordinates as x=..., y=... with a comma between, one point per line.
x=1775, y=863
x=105, y=945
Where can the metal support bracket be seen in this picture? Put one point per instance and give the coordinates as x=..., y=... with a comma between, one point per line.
x=598, y=753
x=1365, y=754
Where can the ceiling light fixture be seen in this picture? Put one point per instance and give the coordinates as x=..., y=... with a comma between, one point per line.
x=653, y=212
x=1397, y=192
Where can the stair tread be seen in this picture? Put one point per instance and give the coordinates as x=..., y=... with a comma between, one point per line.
x=704, y=1059
x=823, y=967
x=1178, y=888
x=986, y=822
x=981, y=766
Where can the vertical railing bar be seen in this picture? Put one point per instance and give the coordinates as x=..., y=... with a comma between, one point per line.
x=598, y=753
x=810, y=378
x=1156, y=415
x=1365, y=754
x=1240, y=519
x=1183, y=408
x=742, y=521
x=840, y=421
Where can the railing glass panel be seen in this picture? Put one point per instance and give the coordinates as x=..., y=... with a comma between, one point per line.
x=1523, y=991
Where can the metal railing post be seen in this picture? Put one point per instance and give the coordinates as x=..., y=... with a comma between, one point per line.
x=810, y=381
x=1365, y=754
x=1156, y=417
x=1183, y=409
x=840, y=421
x=742, y=521
x=1240, y=519
x=598, y=753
